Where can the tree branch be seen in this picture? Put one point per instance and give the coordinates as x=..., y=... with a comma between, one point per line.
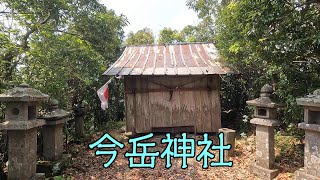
x=8, y=12
x=24, y=43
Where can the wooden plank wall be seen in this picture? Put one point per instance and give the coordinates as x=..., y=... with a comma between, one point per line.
x=146, y=110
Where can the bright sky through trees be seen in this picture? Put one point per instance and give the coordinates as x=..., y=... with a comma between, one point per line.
x=154, y=14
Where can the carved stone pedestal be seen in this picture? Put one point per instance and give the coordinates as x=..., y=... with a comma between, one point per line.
x=265, y=120
x=21, y=124
x=311, y=125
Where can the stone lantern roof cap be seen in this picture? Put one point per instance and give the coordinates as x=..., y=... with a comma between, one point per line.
x=54, y=112
x=310, y=100
x=23, y=93
x=264, y=100
x=266, y=89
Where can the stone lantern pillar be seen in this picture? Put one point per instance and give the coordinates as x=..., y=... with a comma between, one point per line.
x=21, y=124
x=79, y=112
x=311, y=125
x=52, y=131
x=265, y=119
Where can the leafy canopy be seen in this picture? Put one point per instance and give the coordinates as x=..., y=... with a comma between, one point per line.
x=61, y=47
x=270, y=42
x=141, y=37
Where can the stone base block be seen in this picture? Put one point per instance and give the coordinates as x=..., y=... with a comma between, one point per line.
x=229, y=138
x=301, y=175
x=39, y=176
x=21, y=125
x=53, y=168
x=52, y=142
x=264, y=173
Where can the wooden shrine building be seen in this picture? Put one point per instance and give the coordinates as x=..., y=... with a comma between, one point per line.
x=171, y=86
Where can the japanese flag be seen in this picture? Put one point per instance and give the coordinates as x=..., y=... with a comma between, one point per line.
x=103, y=94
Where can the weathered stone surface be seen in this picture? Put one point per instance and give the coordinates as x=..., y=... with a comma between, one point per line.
x=23, y=93
x=266, y=89
x=267, y=113
x=312, y=100
x=301, y=175
x=22, y=153
x=56, y=122
x=79, y=126
x=312, y=153
x=80, y=112
x=264, y=100
x=52, y=142
x=229, y=138
x=265, y=122
x=311, y=126
x=52, y=131
x=265, y=119
x=21, y=122
x=39, y=176
x=54, y=113
x=21, y=125
x=264, y=173
x=311, y=115
x=265, y=155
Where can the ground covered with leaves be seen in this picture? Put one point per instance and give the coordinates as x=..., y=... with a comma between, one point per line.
x=86, y=165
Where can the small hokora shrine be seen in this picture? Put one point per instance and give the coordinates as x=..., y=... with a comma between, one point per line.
x=171, y=87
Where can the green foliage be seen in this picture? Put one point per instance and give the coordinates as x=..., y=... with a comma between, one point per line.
x=274, y=35
x=198, y=33
x=270, y=42
x=111, y=125
x=61, y=47
x=65, y=48
x=141, y=37
x=168, y=35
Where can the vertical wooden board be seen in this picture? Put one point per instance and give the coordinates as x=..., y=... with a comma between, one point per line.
x=206, y=114
x=205, y=118
x=140, y=116
x=154, y=104
x=198, y=107
x=157, y=107
x=214, y=96
x=145, y=105
x=162, y=112
x=190, y=106
x=129, y=104
x=175, y=103
x=166, y=117
x=171, y=101
x=206, y=108
x=187, y=105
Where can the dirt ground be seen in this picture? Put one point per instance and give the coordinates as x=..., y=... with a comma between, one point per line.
x=86, y=165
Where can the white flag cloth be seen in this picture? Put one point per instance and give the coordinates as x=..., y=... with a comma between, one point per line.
x=103, y=94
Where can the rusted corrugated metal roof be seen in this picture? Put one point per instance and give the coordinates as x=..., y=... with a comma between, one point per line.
x=170, y=59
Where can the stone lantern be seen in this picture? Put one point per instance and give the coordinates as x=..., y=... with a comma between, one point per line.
x=79, y=112
x=265, y=119
x=52, y=131
x=21, y=124
x=311, y=125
